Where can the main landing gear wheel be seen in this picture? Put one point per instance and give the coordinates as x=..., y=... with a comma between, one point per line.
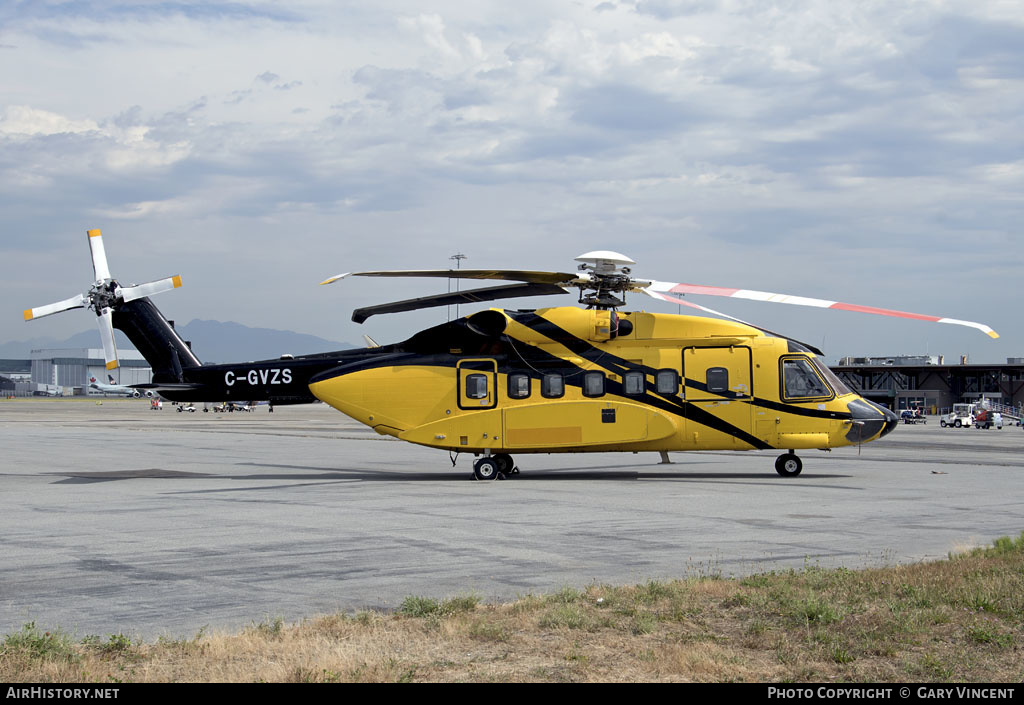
x=788, y=465
x=506, y=466
x=487, y=469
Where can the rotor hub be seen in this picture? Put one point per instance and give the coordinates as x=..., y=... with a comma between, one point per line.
x=608, y=275
x=102, y=295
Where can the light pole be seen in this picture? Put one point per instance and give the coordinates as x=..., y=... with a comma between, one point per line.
x=458, y=257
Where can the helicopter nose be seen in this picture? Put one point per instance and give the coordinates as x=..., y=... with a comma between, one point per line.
x=870, y=420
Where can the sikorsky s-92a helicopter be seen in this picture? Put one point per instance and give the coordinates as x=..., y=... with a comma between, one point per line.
x=554, y=380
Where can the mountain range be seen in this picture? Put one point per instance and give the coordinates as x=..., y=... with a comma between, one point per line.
x=212, y=341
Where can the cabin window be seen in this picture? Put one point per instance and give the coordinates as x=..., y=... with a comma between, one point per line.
x=593, y=384
x=476, y=386
x=666, y=382
x=518, y=386
x=552, y=385
x=800, y=381
x=633, y=383
x=718, y=380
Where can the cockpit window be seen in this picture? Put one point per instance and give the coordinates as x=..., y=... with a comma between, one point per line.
x=831, y=377
x=800, y=380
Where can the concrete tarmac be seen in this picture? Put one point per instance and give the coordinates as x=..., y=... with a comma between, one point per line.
x=119, y=519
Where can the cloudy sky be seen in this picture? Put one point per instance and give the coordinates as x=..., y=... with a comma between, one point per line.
x=868, y=152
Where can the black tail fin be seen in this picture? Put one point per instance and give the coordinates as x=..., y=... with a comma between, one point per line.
x=155, y=338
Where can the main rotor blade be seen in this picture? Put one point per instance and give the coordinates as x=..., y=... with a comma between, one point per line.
x=105, y=321
x=79, y=301
x=684, y=302
x=130, y=293
x=99, y=256
x=676, y=288
x=678, y=300
x=336, y=277
x=515, y=275
x=459, y=297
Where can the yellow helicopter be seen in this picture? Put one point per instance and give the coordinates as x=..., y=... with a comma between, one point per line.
x=553, y=380
x=571, y=380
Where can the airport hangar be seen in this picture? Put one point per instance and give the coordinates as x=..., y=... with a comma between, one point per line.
x=897, y=382
x=66, y=372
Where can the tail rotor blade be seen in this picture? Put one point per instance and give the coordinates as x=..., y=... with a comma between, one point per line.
x=79, y=301
x=107, y=336
x=130, y=293
x=99, y=256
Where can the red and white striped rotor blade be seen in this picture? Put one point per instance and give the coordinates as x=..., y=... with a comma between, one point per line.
x=130, y=293
x=679, y=300
x=680, y=289
x=79, y=301
x=99, y=256
x=107, y=336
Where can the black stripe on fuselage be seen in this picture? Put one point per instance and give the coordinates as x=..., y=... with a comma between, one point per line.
x=616, y=365
x=549, y=362
x=801, y=411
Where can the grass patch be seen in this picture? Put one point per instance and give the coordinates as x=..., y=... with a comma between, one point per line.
x=961, y=619
x=35, y=644
x=413, y=606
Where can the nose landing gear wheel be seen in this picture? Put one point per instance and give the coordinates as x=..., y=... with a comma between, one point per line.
x=487, y=469
x=788, y=465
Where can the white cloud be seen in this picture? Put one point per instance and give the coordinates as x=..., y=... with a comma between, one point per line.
x=120, y=147
x=720, y=140
x=24, y=121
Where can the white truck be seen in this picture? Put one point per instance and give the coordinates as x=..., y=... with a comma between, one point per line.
x=962, y=416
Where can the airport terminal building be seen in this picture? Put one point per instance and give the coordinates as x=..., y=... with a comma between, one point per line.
x=903, y=381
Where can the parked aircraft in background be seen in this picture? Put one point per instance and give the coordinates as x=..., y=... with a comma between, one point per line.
x=114, y=388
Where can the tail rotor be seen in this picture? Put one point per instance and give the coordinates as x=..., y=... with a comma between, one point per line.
x=104, y=297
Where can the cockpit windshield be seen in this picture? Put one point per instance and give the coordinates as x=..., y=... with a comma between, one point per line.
x=833, y=379
x=801, y=379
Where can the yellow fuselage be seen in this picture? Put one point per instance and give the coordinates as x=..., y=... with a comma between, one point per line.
x=572, y=380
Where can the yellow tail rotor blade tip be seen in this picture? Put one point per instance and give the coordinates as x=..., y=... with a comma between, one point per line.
x=112, y=365
x=28, y=314
x=94, y=233
x=176, y=280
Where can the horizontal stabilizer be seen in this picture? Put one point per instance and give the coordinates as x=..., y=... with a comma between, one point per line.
x=169, y=387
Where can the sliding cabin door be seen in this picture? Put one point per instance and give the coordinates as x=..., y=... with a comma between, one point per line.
x=717, y=383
